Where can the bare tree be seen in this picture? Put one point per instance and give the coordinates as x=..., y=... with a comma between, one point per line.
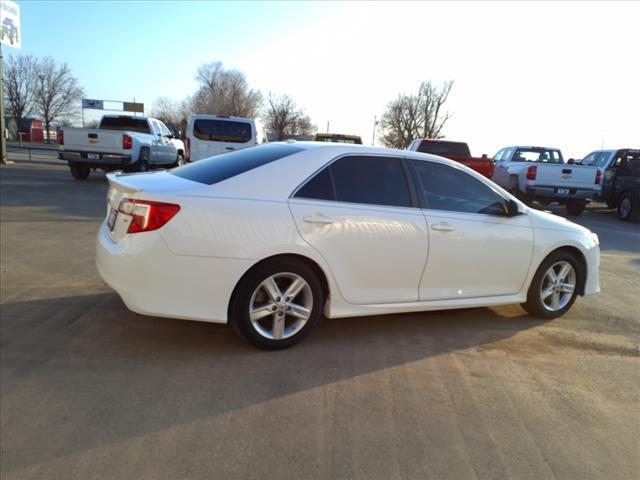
x=20, y=85
x=170, y=112
x=283, y=119
x=224, y=92
x=57, y=94
x=412, y=116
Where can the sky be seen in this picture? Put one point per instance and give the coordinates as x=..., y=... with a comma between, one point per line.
x=550, y=73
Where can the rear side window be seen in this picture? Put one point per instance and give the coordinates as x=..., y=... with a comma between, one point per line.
x=221, y=167
x=448, y=188
x=361, y=179
x=538, y=155
x=222, y=131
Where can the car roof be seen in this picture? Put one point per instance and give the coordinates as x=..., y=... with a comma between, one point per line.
x=533, y=147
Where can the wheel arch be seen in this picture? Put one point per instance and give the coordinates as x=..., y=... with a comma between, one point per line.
x=579, y=256
x=318, y=270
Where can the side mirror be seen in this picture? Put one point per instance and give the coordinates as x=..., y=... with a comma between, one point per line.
x=571, y=161
x=513, y=208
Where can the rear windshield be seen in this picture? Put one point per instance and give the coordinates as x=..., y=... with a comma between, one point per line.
x=226, y=165
x=354, y=140
x=444, y=148
x=125, y=124
x=538, y=155
x=222, y=131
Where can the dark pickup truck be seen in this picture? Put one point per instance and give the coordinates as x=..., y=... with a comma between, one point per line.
x=457, y=151
x=621, y=185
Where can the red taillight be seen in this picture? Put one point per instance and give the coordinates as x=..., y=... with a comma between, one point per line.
x=147, y=215
x=531, y=172
x=187, y=147
x=60, y=137
x=598, y=177
x=127, y=142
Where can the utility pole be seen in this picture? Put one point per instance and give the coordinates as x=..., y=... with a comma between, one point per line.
x=327, y=126
x=373, y=137
x=3, y=127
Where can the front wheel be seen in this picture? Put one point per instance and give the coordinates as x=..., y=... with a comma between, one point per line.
x=276, y=304
x=628, y=208
x=554, y=286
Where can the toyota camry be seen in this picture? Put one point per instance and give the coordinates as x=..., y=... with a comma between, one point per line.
x=271, y=238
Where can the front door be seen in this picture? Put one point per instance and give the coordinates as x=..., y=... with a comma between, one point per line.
x=475, y=249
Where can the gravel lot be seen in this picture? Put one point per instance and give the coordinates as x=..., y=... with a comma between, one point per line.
x=91, y=390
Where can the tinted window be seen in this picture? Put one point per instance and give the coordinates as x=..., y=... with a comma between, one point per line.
x=447, y=188
x=498, y=156
x=374, y=180
x=444, y=148
x=221, y=167
x=319, y=187
x=125, y=124
x=222, y=131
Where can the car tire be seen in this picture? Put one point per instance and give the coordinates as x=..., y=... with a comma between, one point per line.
x=79, y=171
x=549, y=298
x=628, y=208
x=180, y=161
x=575, y=208
x=262, y=313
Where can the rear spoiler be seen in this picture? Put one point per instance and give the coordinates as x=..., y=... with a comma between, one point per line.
x=118, y=180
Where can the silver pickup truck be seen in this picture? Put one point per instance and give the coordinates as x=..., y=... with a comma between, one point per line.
x=540, y=173
x=121, y=142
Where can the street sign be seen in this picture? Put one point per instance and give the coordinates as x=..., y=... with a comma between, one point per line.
x=10, y=33
x=92, y=104
x=133, y=107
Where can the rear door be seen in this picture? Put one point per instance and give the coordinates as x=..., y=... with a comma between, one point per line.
x=359, y=214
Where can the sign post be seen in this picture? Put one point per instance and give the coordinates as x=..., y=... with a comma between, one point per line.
x=10, y=34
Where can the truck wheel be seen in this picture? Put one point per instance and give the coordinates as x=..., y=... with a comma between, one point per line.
x=180, y=160
x=142, y=165
x=575, y=208
x=628, y=208
x=79, y=171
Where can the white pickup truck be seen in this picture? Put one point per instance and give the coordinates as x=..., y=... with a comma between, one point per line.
x=121, y=142
x=540, y=173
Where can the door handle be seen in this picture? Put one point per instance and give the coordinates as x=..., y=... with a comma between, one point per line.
x=317, y=219
x=442, y=227
x=229, y=148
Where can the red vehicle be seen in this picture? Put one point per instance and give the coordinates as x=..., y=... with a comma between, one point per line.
x=457, y=151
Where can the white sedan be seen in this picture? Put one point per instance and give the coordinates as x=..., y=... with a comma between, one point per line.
x=272, y=237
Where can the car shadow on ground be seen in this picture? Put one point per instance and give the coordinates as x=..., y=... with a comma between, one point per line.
x=100, y=363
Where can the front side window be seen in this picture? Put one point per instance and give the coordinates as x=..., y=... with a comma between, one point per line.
x=222, y=130
x=498, y=156
x=448, y=188
x=361, y=179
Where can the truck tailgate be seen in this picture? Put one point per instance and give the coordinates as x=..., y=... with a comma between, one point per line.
x=92, y=140
x=572, y=176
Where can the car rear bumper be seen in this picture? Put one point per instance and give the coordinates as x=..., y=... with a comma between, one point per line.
x=107, y=159
x=153, y=281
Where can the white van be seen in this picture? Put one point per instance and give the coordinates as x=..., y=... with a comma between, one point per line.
x=209, y=135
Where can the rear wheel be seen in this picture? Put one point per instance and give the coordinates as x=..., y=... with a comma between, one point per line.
x=276, y=304
x=555, y=285
x=79, y=171
x=628, y=208
x=575, y=208
x=143, y=161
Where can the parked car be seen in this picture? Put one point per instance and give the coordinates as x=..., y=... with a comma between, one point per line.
x=337, y=138
x=458, y=151
x=120, y=142
x=621, y=186
x=540, y=173
x=269, y=238
x=209, y=135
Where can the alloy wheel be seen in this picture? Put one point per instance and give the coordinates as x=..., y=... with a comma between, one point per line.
x=558, y=286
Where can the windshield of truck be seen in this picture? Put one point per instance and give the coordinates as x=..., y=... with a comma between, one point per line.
x=537, y=155
x=457, y=149
x=125, y=124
